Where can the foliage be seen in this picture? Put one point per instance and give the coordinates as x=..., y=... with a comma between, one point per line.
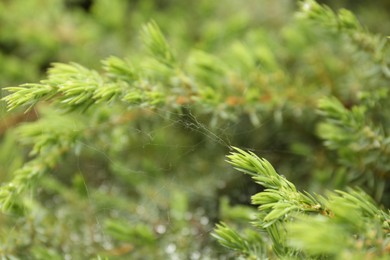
x=126, y=159
x=342, y=225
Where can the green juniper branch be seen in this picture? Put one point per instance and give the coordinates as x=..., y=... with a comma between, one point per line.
x=299, y=223
x=51, y=138
x=345, y=21
x=280, y=196
x=157, y=44
x=363, y=148
x=72, y=85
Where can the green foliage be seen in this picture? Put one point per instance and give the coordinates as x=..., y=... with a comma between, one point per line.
x=277, y=189
x=362, y=148
x=50, y=139
x=342, y=225
x=251, y=246
x=125, y=160
x=157, y=45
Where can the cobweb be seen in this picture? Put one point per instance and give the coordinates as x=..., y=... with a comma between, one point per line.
x=151, y=207
x=156, y=202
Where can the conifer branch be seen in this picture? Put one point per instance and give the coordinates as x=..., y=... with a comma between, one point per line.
x=231, y=239
x=361, y=147
x=71, y=85
x=51, y=139
x=74, y=87
x=280, y=197
x=120, y=70
x=158, y=45
x=345, y=21
x=299, y=223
